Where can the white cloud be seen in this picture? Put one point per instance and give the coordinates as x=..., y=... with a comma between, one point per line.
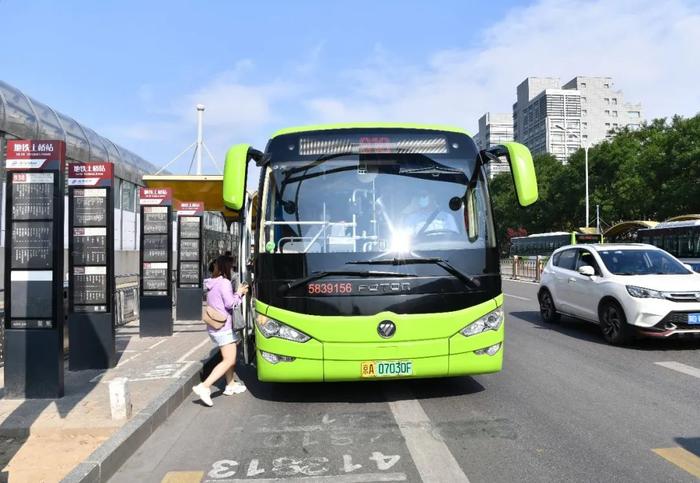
x=649, y=48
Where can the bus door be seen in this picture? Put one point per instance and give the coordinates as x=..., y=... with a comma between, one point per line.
x=246, y=275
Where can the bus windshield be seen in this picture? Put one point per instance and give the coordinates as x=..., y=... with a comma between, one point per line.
x=373, y=205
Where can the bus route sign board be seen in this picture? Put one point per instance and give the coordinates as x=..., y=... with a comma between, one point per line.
x=91, y=266
x=189, y=260
x=156, y=196
x=156, y=262
x=34, y=311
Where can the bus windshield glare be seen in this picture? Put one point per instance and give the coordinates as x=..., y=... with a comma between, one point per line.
x=374, y=205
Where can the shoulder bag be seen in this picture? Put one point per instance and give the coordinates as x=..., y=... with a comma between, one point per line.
x=213, y=318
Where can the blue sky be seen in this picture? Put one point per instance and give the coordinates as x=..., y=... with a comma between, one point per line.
x=134, y=71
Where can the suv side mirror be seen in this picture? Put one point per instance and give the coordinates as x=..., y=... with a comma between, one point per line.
x=521, y=167
x=586, y=270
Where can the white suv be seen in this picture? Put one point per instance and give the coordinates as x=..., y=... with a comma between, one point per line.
x=628, y=289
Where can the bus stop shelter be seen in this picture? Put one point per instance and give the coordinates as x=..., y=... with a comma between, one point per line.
x=206, y=188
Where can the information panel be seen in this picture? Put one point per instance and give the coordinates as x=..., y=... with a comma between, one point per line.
x=90, y=288
x=91, y=265
x=155, y=278
x=89, y=246
x=89, y=207
x=32, y=196
x=156, y=244
x=189, y=273
x=155, y=248
x=189, y=250
x=155, y=220
x=189, y=253
x=34, y=226
x=32, y=245
x=34, y=232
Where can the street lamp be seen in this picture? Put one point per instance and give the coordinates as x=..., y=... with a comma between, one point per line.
x=567, y=134
x=585, y=149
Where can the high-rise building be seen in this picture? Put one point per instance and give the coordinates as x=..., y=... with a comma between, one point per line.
x=549, y=118
x=603, y=108
x=495, y=128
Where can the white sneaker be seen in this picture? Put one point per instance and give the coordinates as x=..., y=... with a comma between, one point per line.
x=236, y=388
x=204, y=394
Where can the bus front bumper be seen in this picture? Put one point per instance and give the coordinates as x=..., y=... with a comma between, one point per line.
x=283, y=361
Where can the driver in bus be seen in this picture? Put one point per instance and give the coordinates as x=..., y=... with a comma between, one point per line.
x=424, y=215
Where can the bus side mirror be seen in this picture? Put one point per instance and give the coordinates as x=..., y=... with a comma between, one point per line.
x=522, y=169
x=235, y=170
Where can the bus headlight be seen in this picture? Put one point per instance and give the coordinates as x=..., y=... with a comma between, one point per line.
x=274, y=328
x=490, y=321
x=490, y=350
x=275, y=358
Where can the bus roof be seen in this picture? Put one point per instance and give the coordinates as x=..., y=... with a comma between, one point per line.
x=675, y=224
x=367, y=125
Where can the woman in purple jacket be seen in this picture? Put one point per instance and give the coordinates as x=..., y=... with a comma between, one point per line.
x=221, y=297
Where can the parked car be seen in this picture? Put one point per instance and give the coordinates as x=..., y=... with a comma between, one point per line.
x=628, y=289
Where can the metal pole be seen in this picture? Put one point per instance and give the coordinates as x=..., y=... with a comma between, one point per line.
x=585, y=148
x=597, y=218
x=200, y=113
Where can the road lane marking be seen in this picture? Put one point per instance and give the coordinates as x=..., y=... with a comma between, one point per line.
x=531, y=282
x=191, y=351
x=358, y=478
x=516, y=296
x=431, y=456
x=157, y=344
x=682, y=458
x=183, y=477
x=677, y=366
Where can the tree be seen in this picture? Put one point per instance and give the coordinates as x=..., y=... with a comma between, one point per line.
x=647, y=173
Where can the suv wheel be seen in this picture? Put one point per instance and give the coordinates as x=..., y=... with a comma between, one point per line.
x=613, y=324
x=547, y=309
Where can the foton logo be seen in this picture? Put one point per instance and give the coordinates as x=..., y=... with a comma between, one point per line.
x=385, y=287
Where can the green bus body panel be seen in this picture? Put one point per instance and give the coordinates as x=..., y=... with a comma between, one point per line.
x=386, y=350
x=367, y=125
x=235, y=169
x=523, y=170
x=409, y=327
x=340, y=344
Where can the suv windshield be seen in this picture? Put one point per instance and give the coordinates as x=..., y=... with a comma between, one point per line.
x=641, y=262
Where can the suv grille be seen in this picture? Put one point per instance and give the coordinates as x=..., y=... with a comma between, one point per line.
x=679, y=319
x=683, y=296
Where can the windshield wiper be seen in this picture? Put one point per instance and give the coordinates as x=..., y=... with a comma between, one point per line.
x=440, y=262
x=353, y=273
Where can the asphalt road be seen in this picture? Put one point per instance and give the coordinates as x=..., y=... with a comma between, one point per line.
x=566, y=407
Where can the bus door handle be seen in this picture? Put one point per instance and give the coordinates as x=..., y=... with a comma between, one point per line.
x=572, y=280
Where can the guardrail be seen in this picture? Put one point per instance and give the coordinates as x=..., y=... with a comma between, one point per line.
x=126, y=298
x=520, y=268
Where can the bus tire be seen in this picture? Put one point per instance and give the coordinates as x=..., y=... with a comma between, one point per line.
x=548, y=310
x=613, y=323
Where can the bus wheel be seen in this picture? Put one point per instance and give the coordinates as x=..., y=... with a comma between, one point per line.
x=547, y=309
x=613, y=324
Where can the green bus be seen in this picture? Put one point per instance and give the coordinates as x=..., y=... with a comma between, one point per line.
x=373, y=252
x=543, y=244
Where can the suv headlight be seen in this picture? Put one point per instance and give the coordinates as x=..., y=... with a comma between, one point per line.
x=274, y=328
x=490, y=321
x=643, y=293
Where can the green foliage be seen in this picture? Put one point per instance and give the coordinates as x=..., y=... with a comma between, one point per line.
x=652, y=173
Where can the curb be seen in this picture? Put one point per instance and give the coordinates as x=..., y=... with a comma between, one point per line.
x=104, y=462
